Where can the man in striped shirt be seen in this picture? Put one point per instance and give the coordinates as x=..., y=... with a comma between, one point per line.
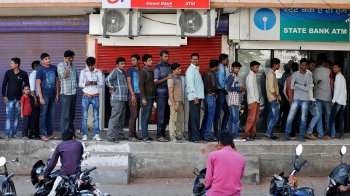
x=118, y=89
x=67, y=75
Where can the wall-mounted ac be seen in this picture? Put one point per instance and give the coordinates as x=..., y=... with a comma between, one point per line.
x=118, y=22
x=194, y=23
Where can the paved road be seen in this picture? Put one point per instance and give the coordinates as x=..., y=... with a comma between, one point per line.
x=172, y=187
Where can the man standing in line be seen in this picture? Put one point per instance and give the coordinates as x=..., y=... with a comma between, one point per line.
x=253, y=97
x=195, y=94
x=69, y=82
x=221, y=103
x=12, y=86
x=234, y=88
x=338, y=102
x=274, y=98
x=118, y=89
x=209, y=80
x=132, y=78
x=148, y=93
x=176, y=104
x=91, y=81
x=312, y=105
x=323, y=96
x=34, y=103
x=162, y=73
x=48, y=90
x=301, y=83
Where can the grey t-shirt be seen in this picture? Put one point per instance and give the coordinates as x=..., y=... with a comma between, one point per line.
x=322, y=91
x=301, y=83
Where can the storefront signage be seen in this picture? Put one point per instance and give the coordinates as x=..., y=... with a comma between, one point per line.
x=157, y=4
x=321, y=25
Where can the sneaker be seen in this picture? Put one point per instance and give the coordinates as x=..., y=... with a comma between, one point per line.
x=249, y=138
x=14, y=136
x=84, y=138
x=7, y=138
x=147, y=140
x=133, y=139
x=97, y=137
x=162, y=139
x=175, y=140
x=310, y=137
x=25, y=138
x=214, y=139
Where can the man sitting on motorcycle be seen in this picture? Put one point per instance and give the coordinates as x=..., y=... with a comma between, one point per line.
x=70, y=152
x=225, y=169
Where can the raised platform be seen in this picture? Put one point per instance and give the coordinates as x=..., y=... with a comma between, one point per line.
x=116, y=163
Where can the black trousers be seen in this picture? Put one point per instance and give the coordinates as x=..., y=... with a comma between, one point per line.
x=194, y=121
x=34, y=118
x=163, y=115
x=26, y=121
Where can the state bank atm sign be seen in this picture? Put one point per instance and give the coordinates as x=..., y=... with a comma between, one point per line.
x=157, y=4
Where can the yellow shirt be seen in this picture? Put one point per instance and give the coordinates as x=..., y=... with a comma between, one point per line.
x=272, y=86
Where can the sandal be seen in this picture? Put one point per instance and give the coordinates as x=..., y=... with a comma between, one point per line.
x=133, y=139
x=45, y=139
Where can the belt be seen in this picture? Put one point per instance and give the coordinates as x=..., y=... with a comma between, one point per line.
x=88, y=95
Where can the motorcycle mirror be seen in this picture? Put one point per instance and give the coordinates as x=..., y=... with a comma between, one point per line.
x=299, y=150
x=2, y=161
x=196, y=171
x=343, y=150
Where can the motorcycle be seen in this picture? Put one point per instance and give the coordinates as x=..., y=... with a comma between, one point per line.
x=79, y=184
x=288, y=185
x=339, y=176
x=198, y=185
x=7, y=185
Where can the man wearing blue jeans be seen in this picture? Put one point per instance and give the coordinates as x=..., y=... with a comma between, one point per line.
x=209, y=80
x=147, y=93
x=14, y=80
x=221, y=103
x=234, y=88
x=301, y=83
x=91, y=81
x=323, y=96
x=274, y=98
x=338, y=102
x=48, y=91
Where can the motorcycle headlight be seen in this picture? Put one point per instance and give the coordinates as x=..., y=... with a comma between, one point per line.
x=331, y=182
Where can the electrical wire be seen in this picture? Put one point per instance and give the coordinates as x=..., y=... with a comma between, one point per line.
x=168, y=23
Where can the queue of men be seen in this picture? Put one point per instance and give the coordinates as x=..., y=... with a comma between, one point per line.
x=313, y=90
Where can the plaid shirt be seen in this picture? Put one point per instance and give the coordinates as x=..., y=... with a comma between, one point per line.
x=233, y=88
x=68, y=85
x=116, y=80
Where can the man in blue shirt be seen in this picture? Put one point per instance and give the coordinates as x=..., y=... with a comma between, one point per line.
x=48, y=91
x=162, y=73
x=221, y=103
x=195, y=94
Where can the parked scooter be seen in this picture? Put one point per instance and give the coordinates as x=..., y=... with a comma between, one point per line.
x=79, y=184
x=198, y=185
x=338, y=177
x=7, y=185
x=288, y=185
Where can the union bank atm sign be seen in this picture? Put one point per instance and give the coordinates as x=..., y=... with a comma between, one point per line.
x=157, y=4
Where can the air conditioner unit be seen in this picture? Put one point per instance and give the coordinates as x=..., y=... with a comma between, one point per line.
x=195, y=23
x=120, y=22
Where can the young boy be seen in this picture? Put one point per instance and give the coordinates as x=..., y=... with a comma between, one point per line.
x=175, y=103
x=233, y=87
x=26, y=110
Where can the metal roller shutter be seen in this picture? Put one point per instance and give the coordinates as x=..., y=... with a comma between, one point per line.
x=29, y=46
x=208, y=48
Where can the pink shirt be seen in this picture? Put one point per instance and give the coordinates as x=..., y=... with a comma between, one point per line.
x=225, y=169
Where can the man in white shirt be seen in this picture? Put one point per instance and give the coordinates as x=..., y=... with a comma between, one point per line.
x=34, y=131
x=195, y=94
x=338, y=102
x=92, y=82
x=253, y=97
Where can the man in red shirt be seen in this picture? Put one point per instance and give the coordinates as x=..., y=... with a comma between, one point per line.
x=225, y=169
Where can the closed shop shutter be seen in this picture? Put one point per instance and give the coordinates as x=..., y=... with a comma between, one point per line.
x=29, y=46
x=208, y=48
